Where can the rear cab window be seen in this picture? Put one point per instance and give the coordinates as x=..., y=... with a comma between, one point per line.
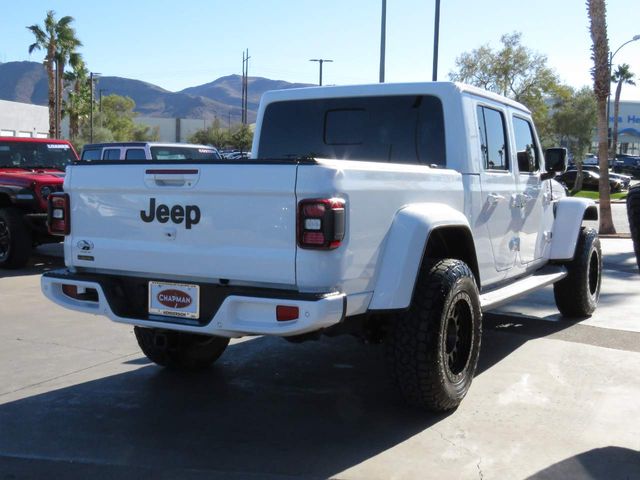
x=391, y=129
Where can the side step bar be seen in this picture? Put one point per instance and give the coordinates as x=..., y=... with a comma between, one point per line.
x=543, y=277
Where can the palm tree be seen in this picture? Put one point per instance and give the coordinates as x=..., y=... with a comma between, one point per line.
x=621, y=76
x=46, y=40
x=66, y=52
x=79, y=99
x=601, y=87
x=58, y=40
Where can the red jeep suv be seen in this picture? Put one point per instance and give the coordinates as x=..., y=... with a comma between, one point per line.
x=30, y=170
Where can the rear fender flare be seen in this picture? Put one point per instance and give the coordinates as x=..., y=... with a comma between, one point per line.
x=403, y=251
x=570, y=212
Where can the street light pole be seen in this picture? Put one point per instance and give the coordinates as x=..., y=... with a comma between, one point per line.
x=92, y=75
x=436, y=37
x=320, y=61
x=611, y=55
x=383, y=39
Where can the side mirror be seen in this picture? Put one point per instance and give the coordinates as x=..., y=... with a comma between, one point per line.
x=555, y=160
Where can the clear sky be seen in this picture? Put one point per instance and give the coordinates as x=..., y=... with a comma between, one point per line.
x=181, y=44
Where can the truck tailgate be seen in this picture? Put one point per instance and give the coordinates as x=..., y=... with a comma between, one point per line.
x=211, y=221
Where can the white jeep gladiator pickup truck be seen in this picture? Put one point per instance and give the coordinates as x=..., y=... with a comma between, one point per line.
x=399, y=212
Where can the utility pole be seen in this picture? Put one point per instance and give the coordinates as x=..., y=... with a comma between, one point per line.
x=321, y=61
x=383, y=39
x=436, y=37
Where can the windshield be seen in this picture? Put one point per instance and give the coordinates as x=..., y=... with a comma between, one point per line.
x=30, y=155
x=184, y=153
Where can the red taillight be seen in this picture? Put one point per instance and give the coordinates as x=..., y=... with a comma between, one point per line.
x=321, y=223
x=285, y=313
x=58, y=214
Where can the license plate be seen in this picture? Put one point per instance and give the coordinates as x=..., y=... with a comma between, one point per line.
x=174, y=299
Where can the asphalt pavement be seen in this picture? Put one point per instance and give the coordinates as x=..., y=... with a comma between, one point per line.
x=552, y=398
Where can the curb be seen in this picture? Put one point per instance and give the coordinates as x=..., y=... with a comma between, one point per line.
x=615, y=235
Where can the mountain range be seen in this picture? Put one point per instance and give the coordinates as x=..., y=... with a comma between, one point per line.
x=27, y=82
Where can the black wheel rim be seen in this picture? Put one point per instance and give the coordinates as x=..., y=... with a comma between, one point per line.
x=458, y=336
x=594, y=274
x=5, y=240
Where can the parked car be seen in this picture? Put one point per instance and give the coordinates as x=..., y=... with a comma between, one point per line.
x=30, y=170
x=628, y=164
x=238, y=156
x=590, y=180
x=148, y=151
x=590, y=159
x=625, y=180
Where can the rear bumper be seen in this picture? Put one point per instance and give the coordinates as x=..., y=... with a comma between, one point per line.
x=226, y=311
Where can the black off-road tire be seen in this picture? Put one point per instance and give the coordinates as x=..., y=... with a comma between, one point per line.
x=577, y=294
x=15, y=239
x=633, y=212
x=433, y=347
x=180, y=350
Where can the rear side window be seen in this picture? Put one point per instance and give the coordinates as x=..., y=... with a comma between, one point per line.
x=526, y=150
x=135, y=154
x=91, y=154
x=398, y=129
x=493, y=139
x=111, y=154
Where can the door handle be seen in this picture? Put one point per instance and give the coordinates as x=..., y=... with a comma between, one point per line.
x=524, y=199
x=494, y=198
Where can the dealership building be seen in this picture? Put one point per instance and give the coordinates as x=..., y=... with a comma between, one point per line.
x=23, y=120
x=628, y=127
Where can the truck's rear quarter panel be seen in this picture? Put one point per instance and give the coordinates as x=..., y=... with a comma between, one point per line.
x=374, y=193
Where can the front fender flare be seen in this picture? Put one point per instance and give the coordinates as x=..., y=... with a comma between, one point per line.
x=403, y=251
x=569, y=214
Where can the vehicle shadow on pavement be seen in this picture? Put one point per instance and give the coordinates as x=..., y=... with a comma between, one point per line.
x=504, y=334
x=622, y=262
x=607, y=462
x=268, y=409
x=38, y=264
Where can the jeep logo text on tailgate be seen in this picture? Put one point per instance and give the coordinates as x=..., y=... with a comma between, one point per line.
x=189, y=214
